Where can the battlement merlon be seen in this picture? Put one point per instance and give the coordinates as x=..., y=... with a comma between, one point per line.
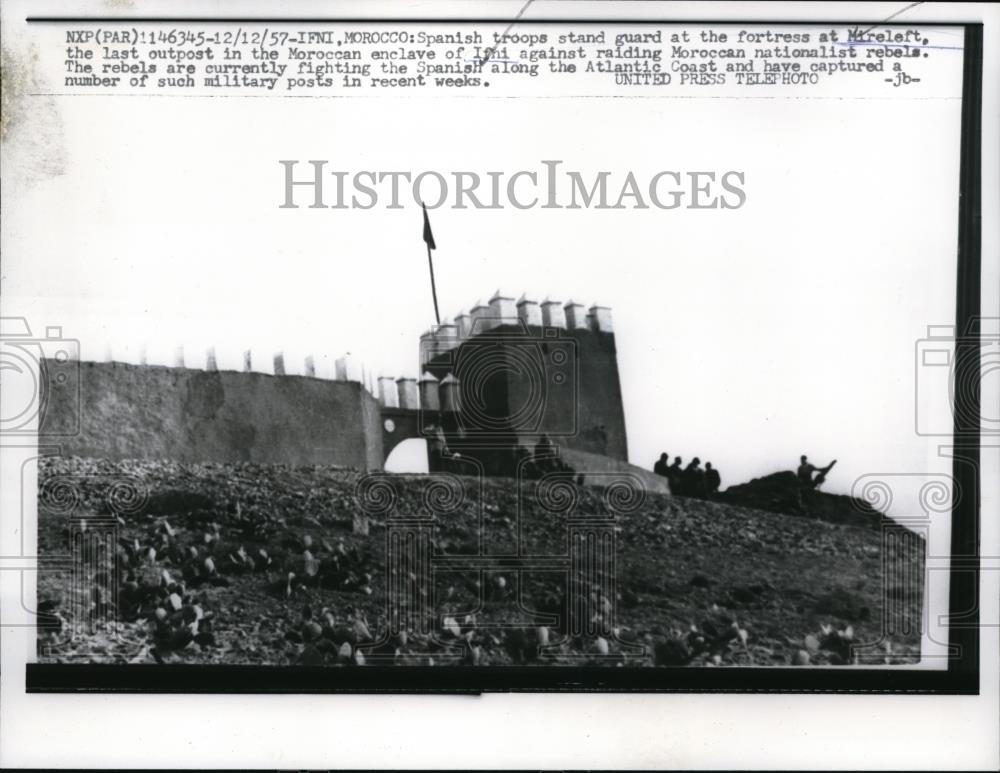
x=575, y=317
x=463, y=325
x=600, y=319
x=388, y=396
x=482, y=318
x=428, y=389
x=529, y=312
x=553, y=314
x=408, y=394
x=502, y=307
x=449, y=393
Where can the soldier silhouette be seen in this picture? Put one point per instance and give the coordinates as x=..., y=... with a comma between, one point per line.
x=712, y=479
x=812, y=477
x=675, y=476
x=693, y=480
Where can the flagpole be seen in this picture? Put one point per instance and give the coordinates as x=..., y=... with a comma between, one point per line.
x=430, y=263
x=431, y=245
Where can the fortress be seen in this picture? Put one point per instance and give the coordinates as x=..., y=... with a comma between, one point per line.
x=490, y=381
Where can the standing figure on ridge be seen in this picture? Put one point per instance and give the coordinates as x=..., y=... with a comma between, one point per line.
x=662, y=465
x=675, y=476
x=694, y=480
x=806, y=470
x=712, y=479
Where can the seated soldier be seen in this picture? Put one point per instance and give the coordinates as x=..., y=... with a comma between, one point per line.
x=547, y=458
x=524, y=464
x=545, y=454
x=437, y=448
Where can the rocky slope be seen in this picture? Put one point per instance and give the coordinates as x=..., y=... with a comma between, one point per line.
x=256, y=564
x=780, y=492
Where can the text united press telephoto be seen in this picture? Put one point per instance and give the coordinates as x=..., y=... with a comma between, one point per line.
x=620, y=347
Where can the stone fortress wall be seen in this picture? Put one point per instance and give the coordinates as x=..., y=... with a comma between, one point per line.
x=504, y=373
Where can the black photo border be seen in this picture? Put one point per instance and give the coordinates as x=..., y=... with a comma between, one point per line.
x=962, y=674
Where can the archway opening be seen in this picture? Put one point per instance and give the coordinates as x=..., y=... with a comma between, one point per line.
x=409, y=456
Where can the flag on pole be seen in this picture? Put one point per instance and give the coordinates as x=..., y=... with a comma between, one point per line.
x=429, y=241
x=428, y=236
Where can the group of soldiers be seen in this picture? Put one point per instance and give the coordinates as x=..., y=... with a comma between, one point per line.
x=689, y=481
x=693, y=481
x=545, y=459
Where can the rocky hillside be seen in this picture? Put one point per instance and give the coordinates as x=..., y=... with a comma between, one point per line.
x=781, y=492
x=256, y=564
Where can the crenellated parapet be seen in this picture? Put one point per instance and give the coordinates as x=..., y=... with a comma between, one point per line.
x=438, y=388
x=502, y=310
x=412, y=394
x=249, y=361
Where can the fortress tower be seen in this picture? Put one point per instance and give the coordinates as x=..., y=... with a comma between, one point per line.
x=510, y=372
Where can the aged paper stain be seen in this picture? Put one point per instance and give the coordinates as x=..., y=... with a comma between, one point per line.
x=31, y=129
